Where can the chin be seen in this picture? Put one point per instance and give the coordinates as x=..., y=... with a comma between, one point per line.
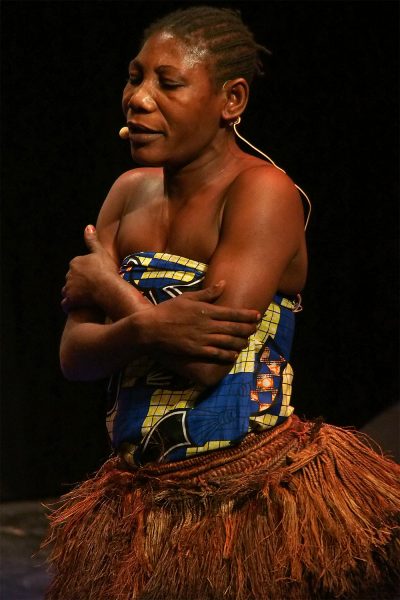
x=146, y=161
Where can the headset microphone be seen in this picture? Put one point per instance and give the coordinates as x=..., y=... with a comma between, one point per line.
x=124, y=133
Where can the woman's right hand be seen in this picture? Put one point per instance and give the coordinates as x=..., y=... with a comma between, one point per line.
x=92, y=281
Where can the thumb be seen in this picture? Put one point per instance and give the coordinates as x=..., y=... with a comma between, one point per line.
x=91, y=239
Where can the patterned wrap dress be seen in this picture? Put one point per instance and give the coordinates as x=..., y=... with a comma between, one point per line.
x=158, y=416
x=265, y=506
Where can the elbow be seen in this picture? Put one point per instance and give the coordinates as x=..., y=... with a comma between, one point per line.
x=75, y=369
x=69, y=369
x=69, y=357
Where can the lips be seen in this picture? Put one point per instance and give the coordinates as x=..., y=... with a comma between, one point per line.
x=138, y=128
x=142, y=134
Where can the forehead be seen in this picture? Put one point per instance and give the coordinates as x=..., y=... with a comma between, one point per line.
x=166, y=49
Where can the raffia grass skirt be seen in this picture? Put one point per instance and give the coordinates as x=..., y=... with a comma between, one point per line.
x=300, y=512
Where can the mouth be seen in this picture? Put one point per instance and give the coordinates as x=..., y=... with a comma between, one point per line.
x=140, y=132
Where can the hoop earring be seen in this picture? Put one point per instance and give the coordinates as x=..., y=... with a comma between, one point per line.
x=302, y=192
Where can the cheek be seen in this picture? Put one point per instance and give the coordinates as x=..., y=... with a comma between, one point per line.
x=202, y=116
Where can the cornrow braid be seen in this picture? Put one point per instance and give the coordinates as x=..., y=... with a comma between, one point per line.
x=229, y=42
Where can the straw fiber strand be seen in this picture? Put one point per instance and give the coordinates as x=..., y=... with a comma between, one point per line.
x=303, y=511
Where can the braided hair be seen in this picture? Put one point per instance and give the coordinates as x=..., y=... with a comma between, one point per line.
x=229, y=42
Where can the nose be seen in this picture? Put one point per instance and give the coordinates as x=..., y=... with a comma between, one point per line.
x=141, y=99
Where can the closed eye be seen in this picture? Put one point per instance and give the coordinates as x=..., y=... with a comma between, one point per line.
x=133, y=79
x=170, y=85
x=166, y=84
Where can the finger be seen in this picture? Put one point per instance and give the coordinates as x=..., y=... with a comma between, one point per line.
x=236, y=315
x=219, y=355
x=209, y=294
x=241, y=330
x=228, y=342
x=91, y=240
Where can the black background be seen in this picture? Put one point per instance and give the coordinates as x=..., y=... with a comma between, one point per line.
x=327, y=114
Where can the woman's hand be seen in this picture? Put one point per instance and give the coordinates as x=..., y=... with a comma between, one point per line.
x=191, y=325
x=93, y=282
x=187, y=327
x=87, y=274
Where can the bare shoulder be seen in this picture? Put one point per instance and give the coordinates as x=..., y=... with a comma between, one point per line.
x=132, y=187
x=265, y=181
x=128, y=188
x=135, y=179
x=266, y=192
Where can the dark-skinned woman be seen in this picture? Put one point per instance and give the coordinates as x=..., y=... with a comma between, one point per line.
x=216, y=490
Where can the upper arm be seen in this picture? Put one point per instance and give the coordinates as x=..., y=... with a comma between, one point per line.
x=262, y=232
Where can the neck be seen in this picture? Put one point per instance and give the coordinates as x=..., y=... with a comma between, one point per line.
x=183, y=182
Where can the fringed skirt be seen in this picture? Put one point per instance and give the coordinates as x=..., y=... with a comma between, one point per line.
x=299, y=512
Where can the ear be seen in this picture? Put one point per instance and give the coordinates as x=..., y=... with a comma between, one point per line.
x=236, y=98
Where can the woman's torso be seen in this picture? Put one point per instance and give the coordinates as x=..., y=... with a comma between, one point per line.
x=158, y=415
x=256, y=393
x=150, y=222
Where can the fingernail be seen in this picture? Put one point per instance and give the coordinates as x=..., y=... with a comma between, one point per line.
x=258, y=316
x=90, y=229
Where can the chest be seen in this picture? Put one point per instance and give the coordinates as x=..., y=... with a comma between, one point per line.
x=189, y=229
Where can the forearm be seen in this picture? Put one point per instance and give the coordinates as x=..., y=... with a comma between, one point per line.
x=118, y=299
x=91, y=351
x=188, y=328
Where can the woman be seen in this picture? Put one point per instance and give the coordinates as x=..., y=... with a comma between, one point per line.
x=216, y=490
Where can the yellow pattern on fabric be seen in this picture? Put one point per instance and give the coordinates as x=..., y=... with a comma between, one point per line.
x=212, y=445
x=267, y=328
x=262, y=422
x=287, y=303
x=163, y=401
x=180, y=260
x=287, y=379
x=178, y=275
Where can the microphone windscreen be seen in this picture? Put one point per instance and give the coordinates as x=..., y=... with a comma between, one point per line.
x=124, y=133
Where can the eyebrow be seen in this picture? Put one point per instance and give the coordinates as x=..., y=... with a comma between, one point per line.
x=136, y=63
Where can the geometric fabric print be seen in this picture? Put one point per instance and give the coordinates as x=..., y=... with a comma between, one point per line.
x=172, y=430
x=162, y=417
x=274, y=366
x=212, y=445
x=163, y=401
x=287, y=378
x=265, y=355
x=265, y=383
x=262, y=421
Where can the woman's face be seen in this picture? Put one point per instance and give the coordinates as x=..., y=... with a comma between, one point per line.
x=172, y=107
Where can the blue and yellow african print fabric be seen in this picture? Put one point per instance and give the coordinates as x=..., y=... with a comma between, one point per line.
x=159, y=416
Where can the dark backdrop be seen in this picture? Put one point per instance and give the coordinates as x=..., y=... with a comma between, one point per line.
x=327, y=114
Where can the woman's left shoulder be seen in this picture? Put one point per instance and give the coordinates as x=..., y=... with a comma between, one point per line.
x=263, y=185
x=265, y=178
